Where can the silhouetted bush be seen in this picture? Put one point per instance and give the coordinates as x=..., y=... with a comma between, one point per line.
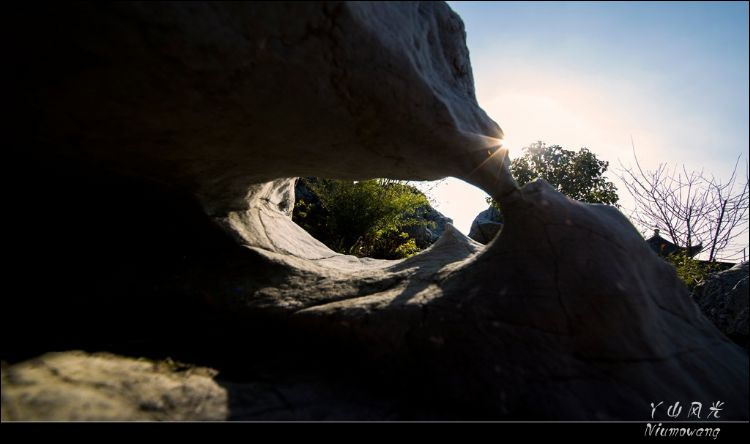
x=362, y=218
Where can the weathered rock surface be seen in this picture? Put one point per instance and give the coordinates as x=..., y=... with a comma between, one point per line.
x=156, y=141
x=557, y=269
x=486, y=225
x=723, y=298
x=75, y=386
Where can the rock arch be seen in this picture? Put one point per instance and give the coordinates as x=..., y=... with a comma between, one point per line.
x=157, y=142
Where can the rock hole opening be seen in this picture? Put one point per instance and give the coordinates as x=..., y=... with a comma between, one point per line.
x=375, y=218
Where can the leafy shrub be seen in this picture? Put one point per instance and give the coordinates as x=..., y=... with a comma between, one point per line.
x=363, y=218
x=691, y=271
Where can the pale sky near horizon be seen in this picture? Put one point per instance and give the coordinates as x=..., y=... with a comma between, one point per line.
x=672, y=75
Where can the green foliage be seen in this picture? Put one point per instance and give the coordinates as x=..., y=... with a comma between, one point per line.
x=309, y=216
x=408, y=248
x=691, y=271
x=365, y=218
x=579, y=175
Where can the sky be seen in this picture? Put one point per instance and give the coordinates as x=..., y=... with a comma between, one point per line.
x=671, y=75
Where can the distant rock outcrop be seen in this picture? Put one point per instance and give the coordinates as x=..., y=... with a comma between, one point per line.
x=723, y=298
x=304, y=193
x=486, y=225
x=424, y=236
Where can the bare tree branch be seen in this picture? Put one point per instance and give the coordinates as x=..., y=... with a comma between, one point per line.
x=694, y=209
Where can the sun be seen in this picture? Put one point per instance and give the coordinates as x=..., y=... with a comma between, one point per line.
x=507, y=143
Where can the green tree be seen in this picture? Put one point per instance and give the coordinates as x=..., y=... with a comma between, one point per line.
x=364, y=218
x=578, y=175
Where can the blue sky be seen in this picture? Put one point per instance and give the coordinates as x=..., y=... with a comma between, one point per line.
x=673, y=75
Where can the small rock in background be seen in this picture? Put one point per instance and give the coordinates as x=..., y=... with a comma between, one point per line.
x=723, y=298
x=425, y=236
x=486, y=225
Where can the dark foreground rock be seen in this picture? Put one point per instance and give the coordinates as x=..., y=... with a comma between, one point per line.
x=154, y=148
x=723, y=298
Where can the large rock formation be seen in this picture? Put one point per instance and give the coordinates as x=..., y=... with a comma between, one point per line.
x=216, y=98
x=723, y=298
x=155, y=144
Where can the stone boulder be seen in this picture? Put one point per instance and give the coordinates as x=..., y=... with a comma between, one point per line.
x=424, y=236
x=76, y=386
x=303, y=192
x=723, y=298
x=556, y=268
x=486, y=225
x=156, y=142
